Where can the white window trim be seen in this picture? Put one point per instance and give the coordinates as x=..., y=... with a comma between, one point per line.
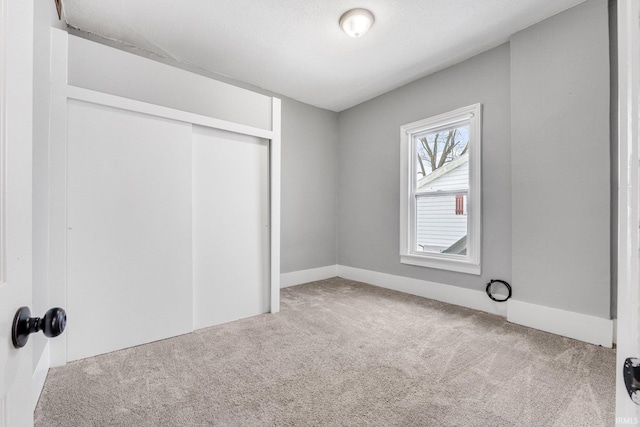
x=472, y=262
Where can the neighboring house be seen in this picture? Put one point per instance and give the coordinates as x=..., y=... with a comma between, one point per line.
x=442, y=213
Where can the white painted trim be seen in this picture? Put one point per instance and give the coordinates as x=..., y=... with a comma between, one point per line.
x=119, y=102
x=305, y=276
x=591, y=329
x=40, y=375
x=615, y=331
x=471, y=263
x=442, y=263
x=475, y=299
x=58, y=187
x=628, y=343
x=274, y=198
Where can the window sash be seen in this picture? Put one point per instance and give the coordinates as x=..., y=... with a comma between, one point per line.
x=469, y=263
x=464, y=191
x=414, y=224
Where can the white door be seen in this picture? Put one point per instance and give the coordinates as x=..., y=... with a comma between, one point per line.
x=128, y=229
x=628, y=411
x=230, y=226
x=16, y=53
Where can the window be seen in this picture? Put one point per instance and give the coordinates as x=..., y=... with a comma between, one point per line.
x=440, y=191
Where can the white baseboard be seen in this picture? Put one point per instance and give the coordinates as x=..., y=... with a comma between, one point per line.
x=40, y=375
x=456, y=295
x=306, y=276
x=591, y=329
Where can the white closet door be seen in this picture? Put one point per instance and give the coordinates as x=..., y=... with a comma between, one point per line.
x=129, y=277
x=230, y=226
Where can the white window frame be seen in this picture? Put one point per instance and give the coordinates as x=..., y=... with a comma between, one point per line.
x=470, y=263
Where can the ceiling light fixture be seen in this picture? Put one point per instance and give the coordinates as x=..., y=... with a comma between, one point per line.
x=356, y=22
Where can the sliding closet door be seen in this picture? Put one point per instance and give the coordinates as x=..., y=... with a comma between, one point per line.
x=230, y=226
x=129, y=263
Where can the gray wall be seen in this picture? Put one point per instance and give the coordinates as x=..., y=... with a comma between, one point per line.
x=560, y=161
x=369, y=168
x=309, y=186
x=545, y=159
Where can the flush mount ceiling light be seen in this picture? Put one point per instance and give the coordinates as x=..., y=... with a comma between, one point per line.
x=356, y=22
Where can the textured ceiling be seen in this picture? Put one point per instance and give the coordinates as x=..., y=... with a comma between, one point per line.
x=296, y=48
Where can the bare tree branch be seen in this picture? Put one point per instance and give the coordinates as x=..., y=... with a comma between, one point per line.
x=439, y=152
x=424, y=172
x=434, y=158
x=425, y=144
x=448, y=146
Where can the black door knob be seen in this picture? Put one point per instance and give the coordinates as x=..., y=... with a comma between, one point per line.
x=52, y=324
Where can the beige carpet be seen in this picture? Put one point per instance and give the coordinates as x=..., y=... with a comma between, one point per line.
x=342, y=353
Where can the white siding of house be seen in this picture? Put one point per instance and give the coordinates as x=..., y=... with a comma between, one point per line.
x=453, y=180
x=437, y=225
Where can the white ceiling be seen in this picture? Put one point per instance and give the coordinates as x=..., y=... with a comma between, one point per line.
x=297, y=49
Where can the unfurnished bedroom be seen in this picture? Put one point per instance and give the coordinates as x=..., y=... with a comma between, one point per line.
x=320, y=213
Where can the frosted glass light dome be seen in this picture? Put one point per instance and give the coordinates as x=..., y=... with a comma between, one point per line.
x=356, y=22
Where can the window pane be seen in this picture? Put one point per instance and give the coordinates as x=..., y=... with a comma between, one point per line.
x=442, y=186
x=441, y=224
x=436, y=150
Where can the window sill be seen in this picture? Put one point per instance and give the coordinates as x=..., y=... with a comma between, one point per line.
x=468, y=267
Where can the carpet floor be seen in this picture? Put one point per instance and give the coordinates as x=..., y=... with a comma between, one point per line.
x=342, y=353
